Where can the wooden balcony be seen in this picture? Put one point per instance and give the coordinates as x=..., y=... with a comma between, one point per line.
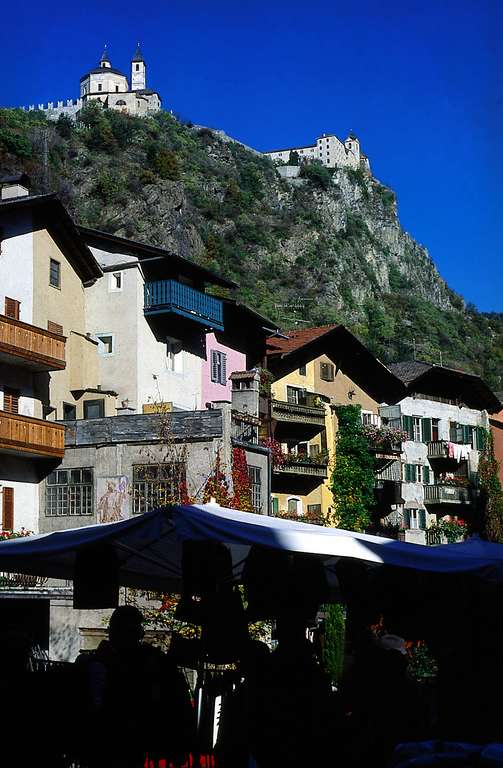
x=446, y=494
x=171, y=297
x=29, y=437
x=303, y=469
x=438, y=449
x=31, y=347
x=294, y=413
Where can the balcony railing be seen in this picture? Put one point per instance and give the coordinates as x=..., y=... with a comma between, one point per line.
x=298, y=414
x=446, y=494
x=26, y=436
x=29, y=346
x=164, y=296
x=303, y=468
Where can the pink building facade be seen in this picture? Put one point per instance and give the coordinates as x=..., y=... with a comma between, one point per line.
x=220, y=362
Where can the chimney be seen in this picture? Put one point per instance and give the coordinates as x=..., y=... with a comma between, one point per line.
x=15, y=185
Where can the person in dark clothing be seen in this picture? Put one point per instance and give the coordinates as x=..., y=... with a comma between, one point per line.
x=293, y=703
x=383, y=703
x=137, y=699
x=239, y=713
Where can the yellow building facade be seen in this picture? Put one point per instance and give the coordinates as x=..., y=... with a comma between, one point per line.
x=314, y=371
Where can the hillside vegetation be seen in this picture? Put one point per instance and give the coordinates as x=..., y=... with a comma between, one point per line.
x=326, y=248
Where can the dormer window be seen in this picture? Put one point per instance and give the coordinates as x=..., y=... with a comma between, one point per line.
x=137, y=67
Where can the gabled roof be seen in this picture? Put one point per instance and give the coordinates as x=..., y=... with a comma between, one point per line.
x=49, y=212
x=146, y=253
x=344, y=349
x=430, y=379
x=408, y=370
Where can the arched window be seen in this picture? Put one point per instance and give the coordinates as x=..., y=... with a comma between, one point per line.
x=120, y=103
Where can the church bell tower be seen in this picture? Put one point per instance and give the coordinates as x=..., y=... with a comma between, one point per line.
x=138, y=71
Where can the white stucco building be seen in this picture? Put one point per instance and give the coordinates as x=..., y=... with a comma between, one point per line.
x=329, y=150
x=150, y=314
x=446, y=420
x=112, y=89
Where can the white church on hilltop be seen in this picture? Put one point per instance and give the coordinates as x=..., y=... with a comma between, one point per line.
x=112, y=88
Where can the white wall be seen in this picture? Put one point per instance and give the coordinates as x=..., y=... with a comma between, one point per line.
x=117, y=313
x=25, y=504
x=16, y=265
x=138, y=357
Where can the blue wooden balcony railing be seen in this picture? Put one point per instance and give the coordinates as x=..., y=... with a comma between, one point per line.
x=163, y=296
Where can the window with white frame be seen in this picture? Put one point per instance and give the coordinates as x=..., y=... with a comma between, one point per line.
x=218, y=367
x=106, y=344
x=115, y=282
x=414, y=518
x=255, y=477
x=69, y=492
x=371, y=419
x=416, y=424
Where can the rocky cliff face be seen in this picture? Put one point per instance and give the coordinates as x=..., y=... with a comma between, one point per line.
x=322, y=248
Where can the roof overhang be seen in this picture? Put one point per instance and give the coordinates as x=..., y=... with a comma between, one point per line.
x=49, y=212
x=350, y=356
x=144, y=253
x=467, y=387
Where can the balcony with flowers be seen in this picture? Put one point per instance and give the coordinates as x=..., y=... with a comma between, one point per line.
x=385, y=443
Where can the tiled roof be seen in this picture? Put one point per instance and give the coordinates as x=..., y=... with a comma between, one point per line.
x=409, y=370
x=296, y=339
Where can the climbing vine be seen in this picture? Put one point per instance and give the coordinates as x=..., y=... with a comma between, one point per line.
x=353, y=475
x=493, y=493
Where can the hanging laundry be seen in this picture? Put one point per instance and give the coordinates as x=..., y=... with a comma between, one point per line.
x=450, y=450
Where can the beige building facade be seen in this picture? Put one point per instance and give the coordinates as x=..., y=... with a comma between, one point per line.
x=328, y=150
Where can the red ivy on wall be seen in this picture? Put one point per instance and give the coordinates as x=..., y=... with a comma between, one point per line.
x=242, y=498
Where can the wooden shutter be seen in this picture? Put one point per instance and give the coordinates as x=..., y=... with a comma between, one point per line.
x=408, y=426
x=8, y=509
x=410, y=473
x=406, y=518
x=426, y=430
x=275, y=505
x=11, y=400
x=422, y=519
x=214, y=365
x=426, y=475
x=54, y=327
x=223, y=368
x=481, y=438
x=12, y=308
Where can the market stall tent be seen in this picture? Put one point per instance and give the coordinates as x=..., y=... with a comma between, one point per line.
x=146, y=551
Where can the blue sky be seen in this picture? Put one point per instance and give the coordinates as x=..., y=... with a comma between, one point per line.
x=419, y=82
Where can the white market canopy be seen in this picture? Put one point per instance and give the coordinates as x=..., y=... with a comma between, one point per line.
x=148, y=549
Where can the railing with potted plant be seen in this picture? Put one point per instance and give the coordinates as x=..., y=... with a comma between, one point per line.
x=384, y=439
x=446, y=531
